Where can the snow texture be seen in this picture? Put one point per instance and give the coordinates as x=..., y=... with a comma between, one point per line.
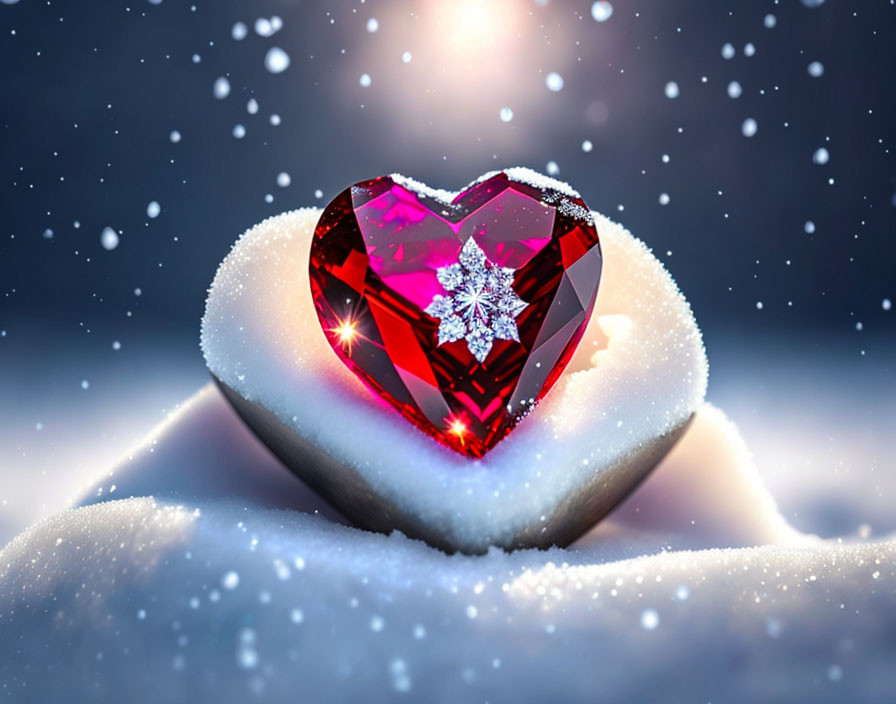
x=213, y=600
x=520, y=174
x=639, y=372
x=209, y=591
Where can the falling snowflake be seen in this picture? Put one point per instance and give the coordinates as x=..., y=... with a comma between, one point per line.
x=481, y=304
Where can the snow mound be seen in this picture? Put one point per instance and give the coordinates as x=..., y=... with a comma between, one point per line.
x=148, y=602
x=705, y=493
x=637, y=377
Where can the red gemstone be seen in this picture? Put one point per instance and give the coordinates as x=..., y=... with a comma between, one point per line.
x=461, y=340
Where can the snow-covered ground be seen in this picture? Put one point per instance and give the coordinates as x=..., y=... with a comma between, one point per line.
x=194, y=594
x=214, y=574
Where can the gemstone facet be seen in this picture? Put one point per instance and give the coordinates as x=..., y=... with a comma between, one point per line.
x=460, y=312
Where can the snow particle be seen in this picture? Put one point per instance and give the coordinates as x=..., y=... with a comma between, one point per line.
x=174, y=136
x=377, y=623
x=419, y=632
x=816, y=69
x=283, y=179
x=116, y=345
x=552, y=168
x=365, y=80
x=773, y=627
x=109, y=239
x=749, y=49
x=318, y=194
x=275, y=119
x=601, y=11
x=372, y=25
x=246, y=654
x=821, y=156
x=85, y=384
x=297, y=616
x=587, y=146
x=506, y=114
x=231, y=580
x=682, y=592
x=398, y=670
x=48, y=234
x=664, y=199
x=650, y=619
x=472, y=611
x=252, y=106
x=141, y=614
x=406, y=57
x=265, y=27
x=886, y=304
x=221, y=88
x=239, y=131
x=809, y=227
x=727, y=51
x=153, y=209
x=672, y=90
x=554, y=81
x=276, y=60
x=759, y=305
x=835, y=673
x=749, y=127
x=665, y=158
x=239, y=31
x=770, y=21
x=734, y=90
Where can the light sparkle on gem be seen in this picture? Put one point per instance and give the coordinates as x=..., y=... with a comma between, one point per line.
x=481, y=304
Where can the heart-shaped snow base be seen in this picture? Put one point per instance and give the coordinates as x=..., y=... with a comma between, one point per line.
x=635, y=380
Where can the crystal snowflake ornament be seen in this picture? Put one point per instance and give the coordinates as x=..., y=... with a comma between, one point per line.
x=481, y=304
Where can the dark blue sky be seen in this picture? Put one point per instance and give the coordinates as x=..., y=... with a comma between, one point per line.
x=90, y=93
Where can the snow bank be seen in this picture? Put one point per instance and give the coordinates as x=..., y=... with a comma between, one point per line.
x=211, y=592
x=705, y=493
x=637, y=377
x=150, y=602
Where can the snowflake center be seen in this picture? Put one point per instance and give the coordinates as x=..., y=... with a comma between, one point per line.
x=480, y=304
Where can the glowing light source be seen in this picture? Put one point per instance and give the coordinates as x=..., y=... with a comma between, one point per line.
x=462, y=62
x=346, y=333
x=470, y=33
x=457, y=427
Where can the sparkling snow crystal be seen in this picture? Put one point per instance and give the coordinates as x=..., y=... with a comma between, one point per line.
x=481, y=304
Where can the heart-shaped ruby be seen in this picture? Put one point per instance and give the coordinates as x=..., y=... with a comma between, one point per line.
x=461, y=312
